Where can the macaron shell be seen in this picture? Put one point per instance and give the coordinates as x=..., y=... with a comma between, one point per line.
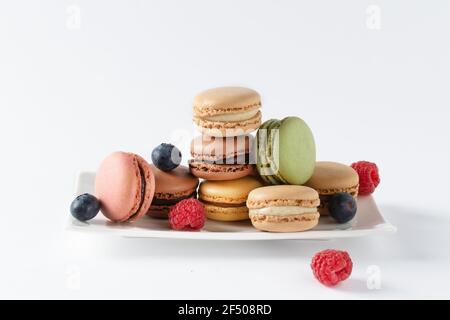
x=330, y=178
x=118, y=186
x=333, y=177
x=224, y=100
x=228, y=129
x=216, y=172
x=228, y=214
x=352, y=190
x=228, y=192
x=176, y=182
x=150, y=187
x=252, y=204
x=286, y=151
x=283, y=192
x=207, y=148
x=159, y=212
x=297, y=151
x=297, y=223
x=268, y=152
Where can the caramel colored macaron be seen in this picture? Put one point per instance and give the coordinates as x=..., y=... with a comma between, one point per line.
x=284, y=208
x=330, y=178
x=227, y=111
x=226, y=200
x=216, y=158
x=170, y=188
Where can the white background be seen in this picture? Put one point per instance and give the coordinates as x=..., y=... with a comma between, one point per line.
x=124, y=78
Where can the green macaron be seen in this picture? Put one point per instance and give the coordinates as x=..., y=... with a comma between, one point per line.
x=286, y=151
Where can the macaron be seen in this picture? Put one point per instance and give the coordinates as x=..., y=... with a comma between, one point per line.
x=286, y=151
x=215, y=158
x=226, y=200
x=283, y=208
x=330, y=178
x=171, y=187
x=227, y=111
x=124, y=185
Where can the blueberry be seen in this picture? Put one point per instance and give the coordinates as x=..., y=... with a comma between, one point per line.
x=342, y=207
x=166, y=157
x=85, y=207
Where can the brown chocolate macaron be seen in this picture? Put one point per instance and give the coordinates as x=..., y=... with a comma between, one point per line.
x=170, y=188
x=219, y=159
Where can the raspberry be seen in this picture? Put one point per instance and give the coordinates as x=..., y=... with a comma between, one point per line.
x=368, y=176
x=187, y=215
x=331, y=266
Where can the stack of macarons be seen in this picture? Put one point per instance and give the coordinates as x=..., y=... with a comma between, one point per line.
x=223, y=155
x=227, y=111
x=272, y=179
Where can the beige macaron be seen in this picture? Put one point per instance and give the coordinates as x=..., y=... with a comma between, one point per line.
x=330, y=178
x=283, y=208
x=227, y=111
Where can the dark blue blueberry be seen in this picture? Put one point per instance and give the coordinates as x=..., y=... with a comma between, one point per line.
x=166, y=157
x=85, y=207
x=342, y=207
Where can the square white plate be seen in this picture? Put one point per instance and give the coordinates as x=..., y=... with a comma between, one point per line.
x=368, y=221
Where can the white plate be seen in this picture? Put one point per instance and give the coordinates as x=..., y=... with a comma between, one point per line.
x=368, y=221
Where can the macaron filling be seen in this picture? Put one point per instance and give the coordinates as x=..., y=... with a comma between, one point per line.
x=213, y=167
x=243, y=158
x=172, y=202
x=142, y=195
x=282, y=211
x=224, y=205
x=233, y=117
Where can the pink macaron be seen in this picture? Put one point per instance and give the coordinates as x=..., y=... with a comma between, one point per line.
x=125, y=186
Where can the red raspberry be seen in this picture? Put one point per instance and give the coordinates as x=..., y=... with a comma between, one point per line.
x=331, y=266
x=368, y=176
x=187, y=215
